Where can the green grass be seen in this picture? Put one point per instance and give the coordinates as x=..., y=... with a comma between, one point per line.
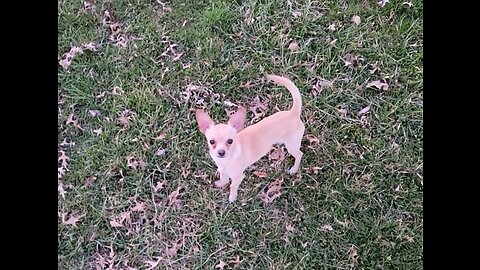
x=358, y=201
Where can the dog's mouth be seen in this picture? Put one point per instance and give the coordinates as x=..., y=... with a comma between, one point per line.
x=221, y=156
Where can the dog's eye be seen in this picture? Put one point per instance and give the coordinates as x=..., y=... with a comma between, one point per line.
x=230, y=141
x=212, y=141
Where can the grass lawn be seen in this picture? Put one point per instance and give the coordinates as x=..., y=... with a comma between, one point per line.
x=134, y=176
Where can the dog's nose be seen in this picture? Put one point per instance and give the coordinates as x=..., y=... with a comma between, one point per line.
x=221, y=153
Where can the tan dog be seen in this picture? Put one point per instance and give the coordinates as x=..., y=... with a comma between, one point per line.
x=234, y=149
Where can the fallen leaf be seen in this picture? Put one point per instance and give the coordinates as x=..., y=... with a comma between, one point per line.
x=272, y=192
x=172, y=251
x=88, y=6
x=260, y=174
x=90, y=180
x=221, y=265
x=73, y=220
x=98, y=131
x=63, y=157
x=342, y=112
x=296, y=14
x=409, y=4
x=142, y=164
x=94, y=112
x=331, y=27
x=117, y=91
x=247, y=85
x=293, y=47
x=312, y=140
x=327, y=227
x=289, y=228
x=89, y=46
x=382, y=3
x=174, y=197
x=236, y=262
x=132, y=162
x=61, y=191
x=353, y=256
x=379, y=85
x=278, y=154
x=352, y=60
x=139, y=207
x=153, y=264
x=66, y=59
x=356, y=19
x=364, y=110
x=161, y=136
x=115, y=224
x=160, y=152
x=158, y=186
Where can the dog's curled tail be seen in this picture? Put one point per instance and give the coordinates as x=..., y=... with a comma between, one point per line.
x=292, y=88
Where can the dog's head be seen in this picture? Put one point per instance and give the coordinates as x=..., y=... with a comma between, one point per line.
x=221, y=137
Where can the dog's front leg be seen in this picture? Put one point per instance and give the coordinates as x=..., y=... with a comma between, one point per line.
x=223, y=179
x=236, y=181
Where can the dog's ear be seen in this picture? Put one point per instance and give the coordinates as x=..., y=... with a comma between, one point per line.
x=237, y=120
x=204, y=121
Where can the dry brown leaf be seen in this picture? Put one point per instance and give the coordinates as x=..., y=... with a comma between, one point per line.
x=98, y=131
x=73, y=220
x=158, y=186
x=174, y=197
x=364, y=110
x=94, y=113
x=278, y=154
x=293, y=47
x=153, y=264
x=117, y=91
x=221, y=265
x=89, y=46
x=352, y=60
x=260, y=174
x=174, y=249
x=379, y=85
x=63, y=158
x=88, y=6
x=66, y=59
x=142, y=164
x=236, y=262
x=353, y=256
x=73, y=121
x=61, y=191
x=382, y=3
x=247, y=85
x=132, y=162
x=327, y=227
x=90, y=180
x=115, y=224
x=356, y=19
x=160, y=152
x=139, y=207
x=332, y=27
x=161, y=136
x=296, y=14
x=312, y=140
x=272, y=192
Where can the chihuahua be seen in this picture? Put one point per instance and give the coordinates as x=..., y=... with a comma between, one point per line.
x=234, y=148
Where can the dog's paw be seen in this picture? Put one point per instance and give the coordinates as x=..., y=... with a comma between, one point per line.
x=232, y=197
x=220, y=183
x=293, y=170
